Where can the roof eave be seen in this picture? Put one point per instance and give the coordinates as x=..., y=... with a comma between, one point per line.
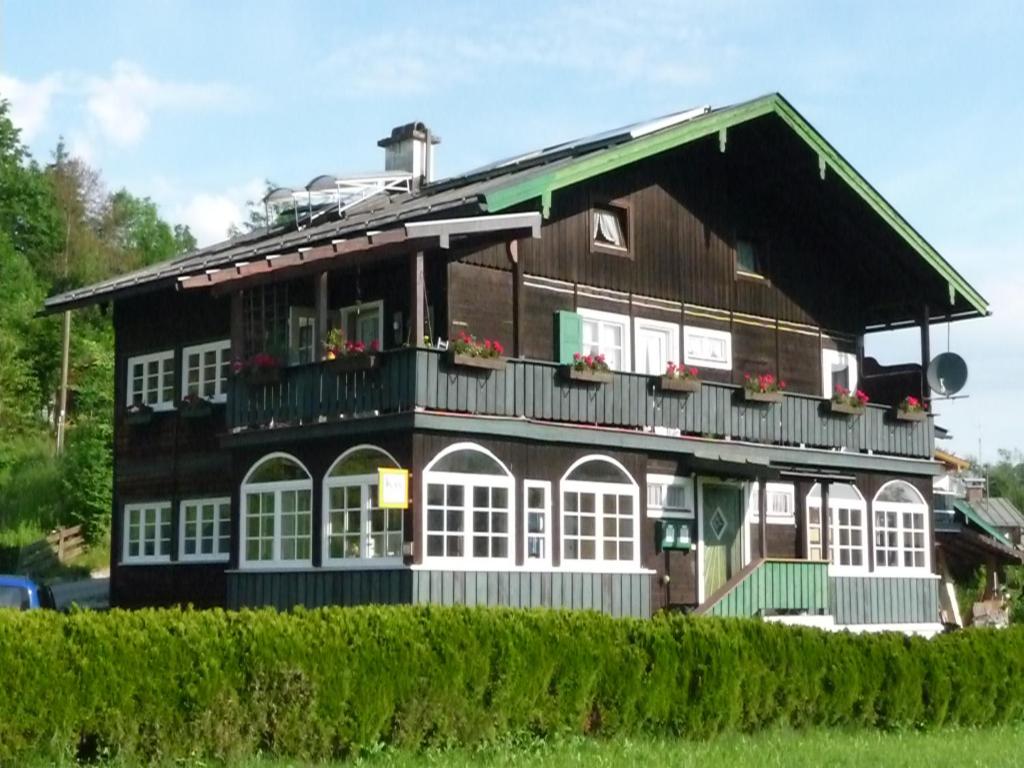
x=543, y=184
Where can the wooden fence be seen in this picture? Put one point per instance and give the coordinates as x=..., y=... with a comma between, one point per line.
x=60, y=546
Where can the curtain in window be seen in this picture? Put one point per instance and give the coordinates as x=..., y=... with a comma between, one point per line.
x=606, y=228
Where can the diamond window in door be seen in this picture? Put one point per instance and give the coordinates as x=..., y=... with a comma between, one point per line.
x=718, y=523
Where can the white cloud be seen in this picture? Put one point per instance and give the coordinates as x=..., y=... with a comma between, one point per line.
x=122, y=104
x=210, y=214
x=30, y=101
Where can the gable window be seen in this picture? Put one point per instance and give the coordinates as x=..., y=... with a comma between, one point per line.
x=469, y=506
x=600, y=508
x=609, y=228
x=364, y=322
x=838, y=369
x=707, y=348
x=900, y=515
x=205, y=529
x=749, y=259
x=355, y=526
x=204, y=370
x=277, y=513
x=606, y=333
x=657, y=344
x=847, y=520
x=147, y=532
x=538, y=521
x=151, y=380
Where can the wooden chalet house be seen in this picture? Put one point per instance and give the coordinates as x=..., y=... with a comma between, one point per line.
x=734, y=241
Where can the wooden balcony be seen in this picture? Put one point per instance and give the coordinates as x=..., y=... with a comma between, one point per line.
x=422, y=379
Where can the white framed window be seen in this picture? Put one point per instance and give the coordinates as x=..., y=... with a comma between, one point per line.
x=781, y=503
x=838, y=369
x=847, y=532
x=151, y=380
x=147, y=533
x=205, y=529
x=356, y=528
x=656, y=343
x=900, y=527
x=606, y=333
x=707, y=348
x=364, y=322
x=469, y=518
x=277, y=514
x=537, y=506
x=205, y=369
x=302, y=335
x=600, y=515
x=670, y=496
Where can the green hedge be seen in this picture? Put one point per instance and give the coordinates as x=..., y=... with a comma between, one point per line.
x=158, y=685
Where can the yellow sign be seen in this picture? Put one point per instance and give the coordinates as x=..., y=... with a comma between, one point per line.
x=392, y=488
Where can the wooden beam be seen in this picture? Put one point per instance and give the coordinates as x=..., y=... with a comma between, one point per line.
x=237, y=327
x=825, y=521
x=762, y=512
x=926, y=355
x=417, y=289
x=517, y=298
x=321, y=302
x=800, y=490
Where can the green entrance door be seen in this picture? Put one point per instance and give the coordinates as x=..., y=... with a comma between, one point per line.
x=721, y=520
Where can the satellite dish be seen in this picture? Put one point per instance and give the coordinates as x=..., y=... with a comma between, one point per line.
x=947, y=373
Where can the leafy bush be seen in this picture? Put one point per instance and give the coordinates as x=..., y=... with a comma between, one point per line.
x=159, y=685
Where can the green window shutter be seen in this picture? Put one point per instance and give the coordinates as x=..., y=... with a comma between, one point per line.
x=568, y=335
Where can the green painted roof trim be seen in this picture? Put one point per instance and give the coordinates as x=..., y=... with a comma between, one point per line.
x=963, y=507
x=602, y=161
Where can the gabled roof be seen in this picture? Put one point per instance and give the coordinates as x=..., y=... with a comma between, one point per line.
x=971, y=515
x=533, y=178
x=999, y=512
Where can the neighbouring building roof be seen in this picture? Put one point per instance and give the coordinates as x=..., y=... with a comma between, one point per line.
x=951, y=460
x=998, y=512
x=532, y=178
x=971, y=515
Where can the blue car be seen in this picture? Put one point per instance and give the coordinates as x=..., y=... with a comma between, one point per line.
x=23, y=594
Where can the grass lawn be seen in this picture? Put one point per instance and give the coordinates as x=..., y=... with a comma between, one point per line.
x=959, y=748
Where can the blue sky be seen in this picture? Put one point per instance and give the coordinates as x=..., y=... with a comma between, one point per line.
x=196, y=103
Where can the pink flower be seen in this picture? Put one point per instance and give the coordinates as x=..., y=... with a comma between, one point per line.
x=375, y=345
x=577, y=356
x=693, y=371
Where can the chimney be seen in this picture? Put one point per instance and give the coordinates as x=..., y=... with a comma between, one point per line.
x=410, y=148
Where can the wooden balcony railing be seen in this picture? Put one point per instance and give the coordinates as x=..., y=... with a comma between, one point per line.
x=773, y=585
x=422, y=378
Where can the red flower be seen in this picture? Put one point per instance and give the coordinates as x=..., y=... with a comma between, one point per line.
x=375, y=345
x=694, y=372
x=577, y=356
x=499, y=348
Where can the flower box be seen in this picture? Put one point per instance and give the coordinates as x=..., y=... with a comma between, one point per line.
x=679, y=384
x=261, y=376
x=845, y=408
x=355, y=362
x=753, y=396
x=586, y=375
x=138, y=416
x=496, y=363
x=195, y=409
x=902, y=415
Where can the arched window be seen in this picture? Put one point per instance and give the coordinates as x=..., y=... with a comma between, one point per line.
x=468, y=514
x=277, y=513
x=600, y=507
x=355, y=527
x=847, y=518
x=901, y=531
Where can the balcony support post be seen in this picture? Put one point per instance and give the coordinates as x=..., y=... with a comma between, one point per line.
x=926, y=355
x=237, y=326
x=320, y=300
x=417, y=294
x=517, y=298
x=762, y=514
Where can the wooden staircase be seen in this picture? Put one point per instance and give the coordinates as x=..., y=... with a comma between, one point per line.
x=772, y=585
